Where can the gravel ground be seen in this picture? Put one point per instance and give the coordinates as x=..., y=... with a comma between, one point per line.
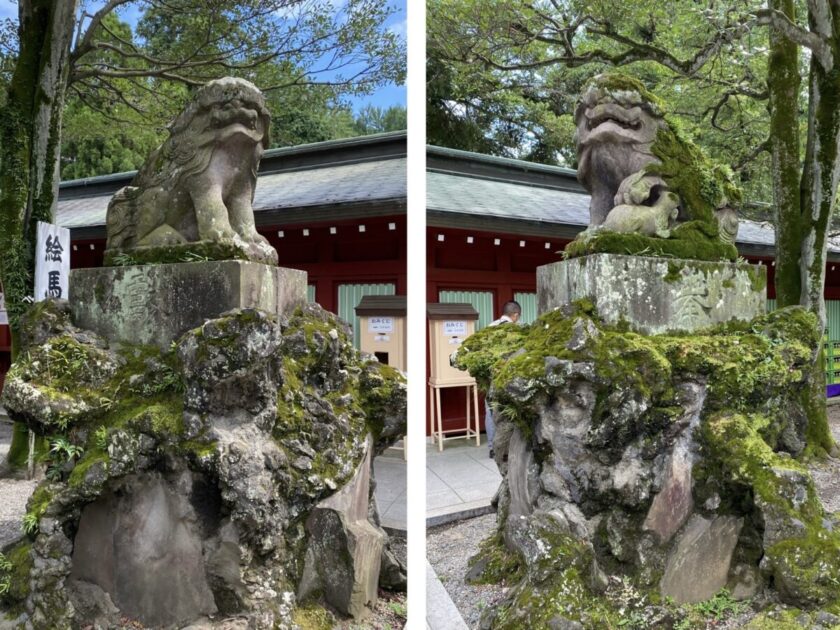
x=13, y=494
x=450, y=547
x=827, y=474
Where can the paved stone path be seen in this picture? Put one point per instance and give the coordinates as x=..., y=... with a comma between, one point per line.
x=461, y=481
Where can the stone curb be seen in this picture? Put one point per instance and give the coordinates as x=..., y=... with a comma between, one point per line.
x=441, y=612
x=460, y=513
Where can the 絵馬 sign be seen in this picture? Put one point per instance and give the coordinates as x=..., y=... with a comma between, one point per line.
x=52, y=262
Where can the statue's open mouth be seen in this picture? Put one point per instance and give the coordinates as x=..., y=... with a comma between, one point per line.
x=232, y=116
x=609, y=113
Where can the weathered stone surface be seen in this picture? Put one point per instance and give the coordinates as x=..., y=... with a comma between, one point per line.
x=699, y=565
x=200, y=466
x=650, y=456
x=156, y=304
x=197, y=188
x=521, y=475
x=655, y=295
x=655, y=220
x=744, y=582
x=674, y=503
x=142, y=544
x=92, y=603
x=344, y=555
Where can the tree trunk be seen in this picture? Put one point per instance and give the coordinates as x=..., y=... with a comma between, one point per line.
x=821, y=168
x=784, y=81
x=30, y=142
x=818, y=190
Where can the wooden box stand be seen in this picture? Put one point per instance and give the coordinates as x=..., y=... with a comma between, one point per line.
x=449, y=326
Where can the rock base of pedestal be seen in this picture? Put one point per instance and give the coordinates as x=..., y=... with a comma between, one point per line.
x=653, y=468
x=193, y=484
x=156, y=304
x=655, y=295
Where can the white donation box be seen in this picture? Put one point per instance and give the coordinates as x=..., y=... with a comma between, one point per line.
x=449, y=326
x=382, y=328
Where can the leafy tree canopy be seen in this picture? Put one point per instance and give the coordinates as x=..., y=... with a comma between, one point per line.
x=113, y=119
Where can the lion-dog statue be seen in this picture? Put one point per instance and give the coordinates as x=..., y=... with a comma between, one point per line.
x=630, y=153
x=198, y=186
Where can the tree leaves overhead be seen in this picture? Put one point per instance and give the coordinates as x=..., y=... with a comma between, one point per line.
x=125, y=85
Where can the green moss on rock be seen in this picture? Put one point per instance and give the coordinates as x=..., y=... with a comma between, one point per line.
x=495, y=563
x=18, y=456
x=313, y=618
x=682, y=244
x=20, y=562
x=757, y=376
x=184, y=253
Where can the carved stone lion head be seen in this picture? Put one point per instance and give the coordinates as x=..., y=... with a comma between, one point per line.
x=220, y=110
x=617, y=120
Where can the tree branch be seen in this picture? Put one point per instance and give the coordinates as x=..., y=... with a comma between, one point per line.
x=795, y=33
x=84, y=46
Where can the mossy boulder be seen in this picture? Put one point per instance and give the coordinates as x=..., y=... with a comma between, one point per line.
x=228, y=441
x=620, y=452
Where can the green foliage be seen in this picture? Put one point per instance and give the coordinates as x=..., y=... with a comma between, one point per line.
x=5, y=575
x=372, y=119
x=30, y=523
x=61, y=451
x=100, y=437
x=512, y=91
x=15, y=566
x=717, y=609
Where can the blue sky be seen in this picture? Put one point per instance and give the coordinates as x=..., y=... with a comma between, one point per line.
x=383, y=97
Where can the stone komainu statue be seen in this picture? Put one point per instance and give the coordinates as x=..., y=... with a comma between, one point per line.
x=630, y=153
x=194, y=192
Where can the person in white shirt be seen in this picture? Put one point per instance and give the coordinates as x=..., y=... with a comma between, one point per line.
x=511, y=312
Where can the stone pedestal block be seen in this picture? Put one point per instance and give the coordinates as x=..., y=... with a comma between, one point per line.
x=156, y=304
x=656, y=295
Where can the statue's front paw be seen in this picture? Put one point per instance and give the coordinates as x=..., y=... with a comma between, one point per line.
x=257, y=238
x=220, y=234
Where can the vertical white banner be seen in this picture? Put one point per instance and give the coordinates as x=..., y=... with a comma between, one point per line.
x=52, y=262
x=4, y=317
